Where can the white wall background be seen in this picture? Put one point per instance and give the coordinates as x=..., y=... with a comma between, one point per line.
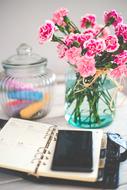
x=20, y=20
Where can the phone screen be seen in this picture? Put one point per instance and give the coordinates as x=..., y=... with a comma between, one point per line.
x=73, y=151
x=2, y=123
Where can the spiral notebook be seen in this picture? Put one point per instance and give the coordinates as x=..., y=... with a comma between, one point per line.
x=30, y=147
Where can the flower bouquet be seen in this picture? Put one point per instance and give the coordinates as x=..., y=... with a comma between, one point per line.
x=95, y=58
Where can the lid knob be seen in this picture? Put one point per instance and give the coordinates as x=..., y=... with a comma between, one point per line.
x=24, y=58
x=24, y=49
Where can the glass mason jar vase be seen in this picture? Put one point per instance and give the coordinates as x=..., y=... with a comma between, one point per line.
x=91, y=106
x=26, y=86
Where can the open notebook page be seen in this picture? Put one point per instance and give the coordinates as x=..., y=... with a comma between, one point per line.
x=45, y=167
x=19, y=142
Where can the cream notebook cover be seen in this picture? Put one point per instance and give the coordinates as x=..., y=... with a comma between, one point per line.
x=28, y=146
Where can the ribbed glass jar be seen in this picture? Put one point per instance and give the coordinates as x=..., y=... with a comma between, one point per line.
x=26, y=86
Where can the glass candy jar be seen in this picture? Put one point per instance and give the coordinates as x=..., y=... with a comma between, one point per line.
x=26, y=86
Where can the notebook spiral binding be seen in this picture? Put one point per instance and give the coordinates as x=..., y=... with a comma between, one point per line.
x=41, y=151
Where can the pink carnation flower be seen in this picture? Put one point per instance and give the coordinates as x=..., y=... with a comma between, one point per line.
x=86, y=67
x=121, y=30
x=85, y=36
x=73, y=54
x=121, y=59
x=46, y=31
x=80, y=38
x=88, y=20
x=90, y=31
x=61, y=49
x=103, y=34
x=119, y=71
x=58, y=16
x=112, y=14
x=111, y=43
x=69, y=39
x=94, y=46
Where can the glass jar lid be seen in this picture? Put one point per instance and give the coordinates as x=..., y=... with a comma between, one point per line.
x=24, y=58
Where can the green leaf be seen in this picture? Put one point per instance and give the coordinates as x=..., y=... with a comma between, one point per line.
x=66, y=20
x=120, y=39
x=124, y=46
x=83, y=51
x=88, y=24
x=71, y=24
x=76, y=44
x=67, y=29
x=61, y=29
x=111, y=21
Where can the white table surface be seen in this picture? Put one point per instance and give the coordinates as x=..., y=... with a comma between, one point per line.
x=56, y=116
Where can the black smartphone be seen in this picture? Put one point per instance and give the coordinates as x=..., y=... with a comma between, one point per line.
x=73, y=151
x=2, y=123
